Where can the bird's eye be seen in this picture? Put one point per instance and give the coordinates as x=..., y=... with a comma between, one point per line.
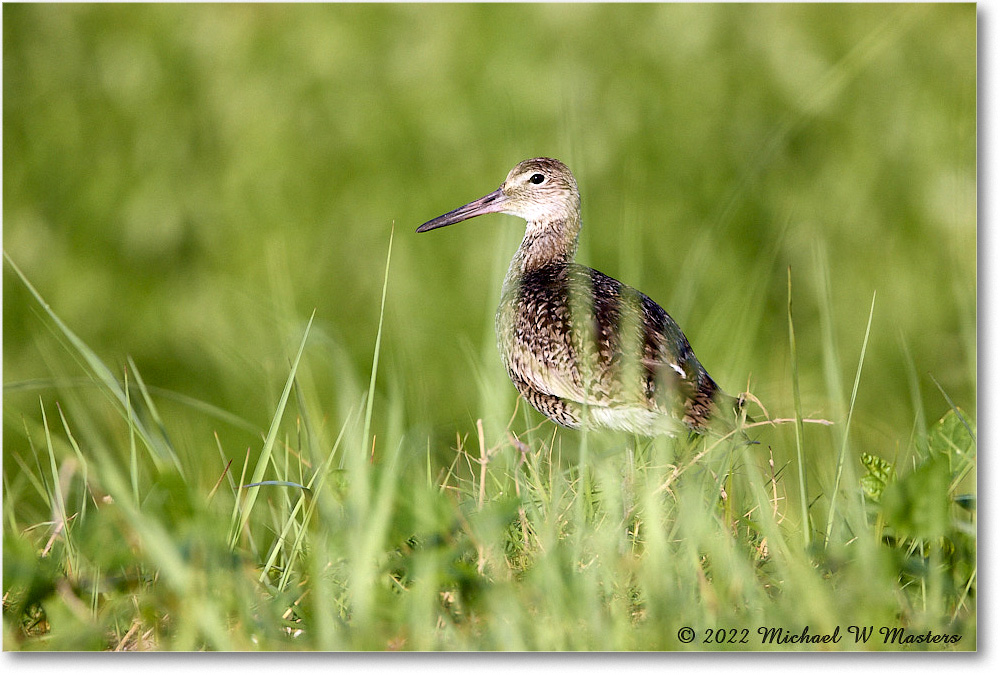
x=537, y=178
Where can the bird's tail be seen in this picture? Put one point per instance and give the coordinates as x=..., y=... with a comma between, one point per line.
x=730, y=415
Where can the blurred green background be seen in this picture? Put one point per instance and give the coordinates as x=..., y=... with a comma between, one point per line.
x=185, y=184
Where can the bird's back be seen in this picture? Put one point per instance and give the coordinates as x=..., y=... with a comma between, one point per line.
x=574, y=338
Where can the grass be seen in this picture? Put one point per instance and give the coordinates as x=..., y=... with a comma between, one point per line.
x=232, y=421
x=359, y=543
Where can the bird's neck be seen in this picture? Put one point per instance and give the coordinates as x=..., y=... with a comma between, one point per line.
x=544, y=243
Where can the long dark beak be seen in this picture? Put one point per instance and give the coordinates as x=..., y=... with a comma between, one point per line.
x=494, y=202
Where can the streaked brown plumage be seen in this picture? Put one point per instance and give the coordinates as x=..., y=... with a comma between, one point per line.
x=580, y=346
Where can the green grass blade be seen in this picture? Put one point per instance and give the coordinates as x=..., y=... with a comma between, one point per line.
x=148, y=400
x=831, y=354
x=57, y=499
x=370, y=402
x=797, y=399
x=917, y=401
x=133, y=456
x=272, y=434
x=84, y=464
x=847, y=425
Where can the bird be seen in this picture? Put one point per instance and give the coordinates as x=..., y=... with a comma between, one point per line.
x=583, y=348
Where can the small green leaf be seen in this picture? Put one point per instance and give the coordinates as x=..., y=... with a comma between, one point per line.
x=878, y=476
x=952, y=435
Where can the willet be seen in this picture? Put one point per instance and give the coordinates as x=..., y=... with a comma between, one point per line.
x=581, y=347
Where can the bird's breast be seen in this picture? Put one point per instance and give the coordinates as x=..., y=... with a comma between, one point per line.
x=575, y=334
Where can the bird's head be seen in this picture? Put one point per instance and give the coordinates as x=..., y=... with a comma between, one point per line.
x=540, y=190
